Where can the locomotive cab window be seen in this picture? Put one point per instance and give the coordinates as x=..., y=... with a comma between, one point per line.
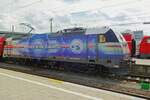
x=102, y=38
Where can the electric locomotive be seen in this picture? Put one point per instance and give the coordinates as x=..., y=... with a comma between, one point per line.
x=86, y=49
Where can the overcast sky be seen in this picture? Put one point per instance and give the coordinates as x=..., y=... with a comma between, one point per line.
x=69, y=13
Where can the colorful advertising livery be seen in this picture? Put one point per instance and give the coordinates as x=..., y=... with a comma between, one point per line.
x=98, y=46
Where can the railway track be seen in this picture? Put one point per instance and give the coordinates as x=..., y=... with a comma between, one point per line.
x=137, y=78
x=83, y=79
x=139, y=73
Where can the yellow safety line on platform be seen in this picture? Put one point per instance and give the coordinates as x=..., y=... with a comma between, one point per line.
x=56, y=81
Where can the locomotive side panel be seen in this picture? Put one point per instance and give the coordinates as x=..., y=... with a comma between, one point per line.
x=38, y=46
x=56, y=47
x=76, y=47
x=24, y=47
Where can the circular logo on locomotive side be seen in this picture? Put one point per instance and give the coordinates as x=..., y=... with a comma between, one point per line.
x=76, y=46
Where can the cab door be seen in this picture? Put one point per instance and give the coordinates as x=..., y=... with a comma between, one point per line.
x=92, y=48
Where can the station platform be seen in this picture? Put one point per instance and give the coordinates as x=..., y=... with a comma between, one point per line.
x=22, y=86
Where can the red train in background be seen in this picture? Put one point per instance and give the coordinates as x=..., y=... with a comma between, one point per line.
x=142, y=49
x=128, y=37
x=2, y=43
